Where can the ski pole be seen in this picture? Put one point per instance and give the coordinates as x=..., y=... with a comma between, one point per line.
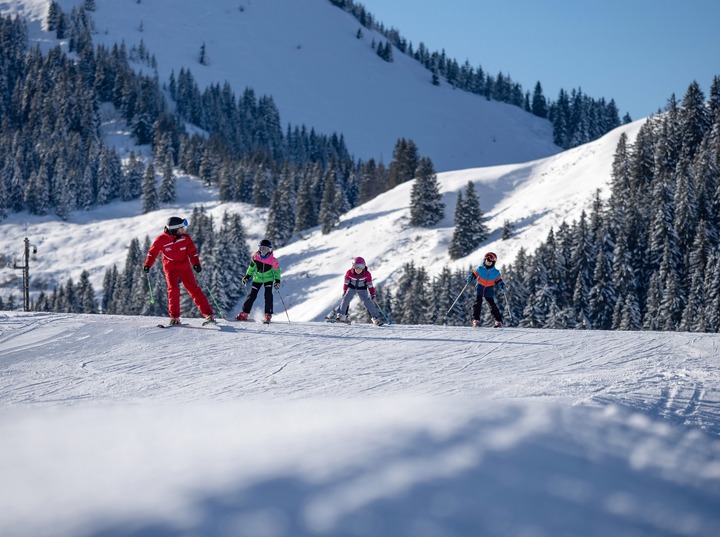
x=152, y=299
x=207, y=288
x=507, y=305
x=458, y=298
x=381, y=311
x=283, y=303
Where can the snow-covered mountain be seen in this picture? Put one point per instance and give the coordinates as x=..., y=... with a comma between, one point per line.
x=111, y=426
x=307, y=57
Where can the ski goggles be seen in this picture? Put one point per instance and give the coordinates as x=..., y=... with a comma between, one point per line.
x=179, y=226
x=265, y=249
x=358, y=266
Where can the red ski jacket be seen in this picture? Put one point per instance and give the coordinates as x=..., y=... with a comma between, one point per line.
x=176, y=251
x=361, y=281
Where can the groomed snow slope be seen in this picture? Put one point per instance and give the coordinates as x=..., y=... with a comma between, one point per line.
x=111, y=426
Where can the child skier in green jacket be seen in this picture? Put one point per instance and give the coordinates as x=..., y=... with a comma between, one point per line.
x=264, y=270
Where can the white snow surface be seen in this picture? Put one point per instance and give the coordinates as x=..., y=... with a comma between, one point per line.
x=111, y=426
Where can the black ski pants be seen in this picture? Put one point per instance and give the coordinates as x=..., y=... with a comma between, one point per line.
x=255, y=288
x=493, y=308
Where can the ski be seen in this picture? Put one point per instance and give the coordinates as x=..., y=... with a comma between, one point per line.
x=206, y=324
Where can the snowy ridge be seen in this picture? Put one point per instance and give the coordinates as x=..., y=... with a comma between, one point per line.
x=113, y=427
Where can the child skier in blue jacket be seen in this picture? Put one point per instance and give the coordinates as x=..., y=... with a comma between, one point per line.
x=486, y=277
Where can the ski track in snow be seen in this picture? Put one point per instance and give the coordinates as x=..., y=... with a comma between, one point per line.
x=105, y=358
x=114, y=427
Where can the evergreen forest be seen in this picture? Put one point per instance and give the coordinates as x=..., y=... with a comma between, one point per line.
x=647, y=258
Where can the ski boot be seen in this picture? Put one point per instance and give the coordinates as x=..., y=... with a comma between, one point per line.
x=267, y=319
x=377, y=322
x=498, y=324
x=242, y=316
x=475, y=323
x=209, y=320
x=175, y=320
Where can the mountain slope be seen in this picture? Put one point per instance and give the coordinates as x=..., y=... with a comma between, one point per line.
x=534, y=197
x=306, y=56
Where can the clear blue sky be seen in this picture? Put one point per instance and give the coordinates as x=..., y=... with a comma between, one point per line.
x=637, y=52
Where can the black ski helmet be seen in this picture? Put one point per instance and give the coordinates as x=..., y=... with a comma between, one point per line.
x=265, y=242
x=174, y=223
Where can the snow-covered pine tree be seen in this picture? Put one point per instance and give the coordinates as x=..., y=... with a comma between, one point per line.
x=470, y=229
x=167, y=184
x=329, y=215
x=263, y=186
x=225, y=264
x=149, y=199
x=426, y=206
x=305, y=216
x=281, y=217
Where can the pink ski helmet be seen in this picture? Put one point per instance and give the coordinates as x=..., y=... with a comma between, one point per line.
x=359, y=262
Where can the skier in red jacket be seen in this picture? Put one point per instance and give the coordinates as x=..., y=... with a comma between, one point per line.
x=179, y=258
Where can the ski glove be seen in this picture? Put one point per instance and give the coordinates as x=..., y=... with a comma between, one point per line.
x=146, y=269
x=373, y=297
x=197, y=268
x=277, y=285
x=470, y=278
x=245, y=280
x=504, y=288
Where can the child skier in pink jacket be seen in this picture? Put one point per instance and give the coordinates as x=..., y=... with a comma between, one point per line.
x=358, y=280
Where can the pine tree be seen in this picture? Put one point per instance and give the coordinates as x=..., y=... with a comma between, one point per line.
x=694, y=120
x=108, y=176
x=263, y=187
x=507, y=230
x=329, y=215
x=149, y=197
x=404, y=164
x=37, y=192
x=281, y=217
x=86, y=294
x=602, y=296
x=371, y=182
x=110, y=281
x=226, y=263
x=712, y=287
x=403, y=290
x=167, y=185
x=470, y=230
x=426, y=206
x=305, y=217
x=539, y=103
